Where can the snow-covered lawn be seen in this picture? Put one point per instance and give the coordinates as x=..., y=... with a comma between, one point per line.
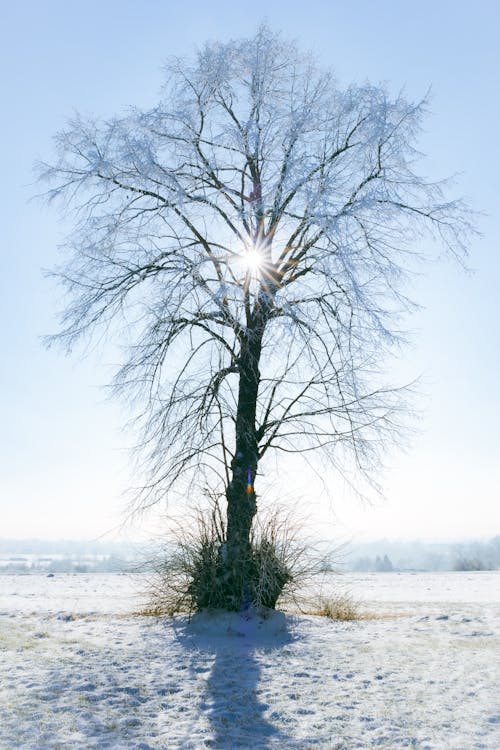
x=79, y=670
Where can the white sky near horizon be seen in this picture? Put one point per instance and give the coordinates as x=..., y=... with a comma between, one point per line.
x=63, y=459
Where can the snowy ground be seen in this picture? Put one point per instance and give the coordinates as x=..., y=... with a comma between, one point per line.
x=79, y=670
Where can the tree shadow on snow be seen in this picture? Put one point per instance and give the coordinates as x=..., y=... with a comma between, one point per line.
x=233, y=702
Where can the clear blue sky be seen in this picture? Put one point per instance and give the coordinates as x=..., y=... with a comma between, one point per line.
x=63, y=462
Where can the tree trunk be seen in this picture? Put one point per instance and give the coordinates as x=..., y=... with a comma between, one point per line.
x=240, y=493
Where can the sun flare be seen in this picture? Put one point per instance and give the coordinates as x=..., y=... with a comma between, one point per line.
x=253, y=259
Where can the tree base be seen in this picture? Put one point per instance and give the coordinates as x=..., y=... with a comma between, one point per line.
x=259, y=583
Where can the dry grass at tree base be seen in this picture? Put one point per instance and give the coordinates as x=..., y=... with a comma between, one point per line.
x=341, y=607
x=344, y=608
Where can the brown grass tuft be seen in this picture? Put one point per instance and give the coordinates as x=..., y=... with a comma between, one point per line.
x=341, y=608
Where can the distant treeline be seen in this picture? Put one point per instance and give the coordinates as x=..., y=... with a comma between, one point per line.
x=109, y=564
x=386, y=556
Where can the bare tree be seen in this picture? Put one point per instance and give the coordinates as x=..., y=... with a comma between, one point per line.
x=253, y=232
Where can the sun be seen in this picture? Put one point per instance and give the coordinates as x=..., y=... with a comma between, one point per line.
x=253, y=259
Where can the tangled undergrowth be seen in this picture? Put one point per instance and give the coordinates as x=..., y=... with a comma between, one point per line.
x=187, y=576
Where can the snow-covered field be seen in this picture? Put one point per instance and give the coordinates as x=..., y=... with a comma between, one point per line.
x=79, y=670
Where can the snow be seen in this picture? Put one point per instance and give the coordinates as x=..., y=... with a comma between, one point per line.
x=80, y=669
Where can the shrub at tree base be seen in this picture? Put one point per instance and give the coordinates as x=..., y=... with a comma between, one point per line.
x=192, y=575
x=209, y=587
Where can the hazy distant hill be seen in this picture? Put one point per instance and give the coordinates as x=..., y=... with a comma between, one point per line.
x=64, y=547
x=34, y=555
x=379, y=556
